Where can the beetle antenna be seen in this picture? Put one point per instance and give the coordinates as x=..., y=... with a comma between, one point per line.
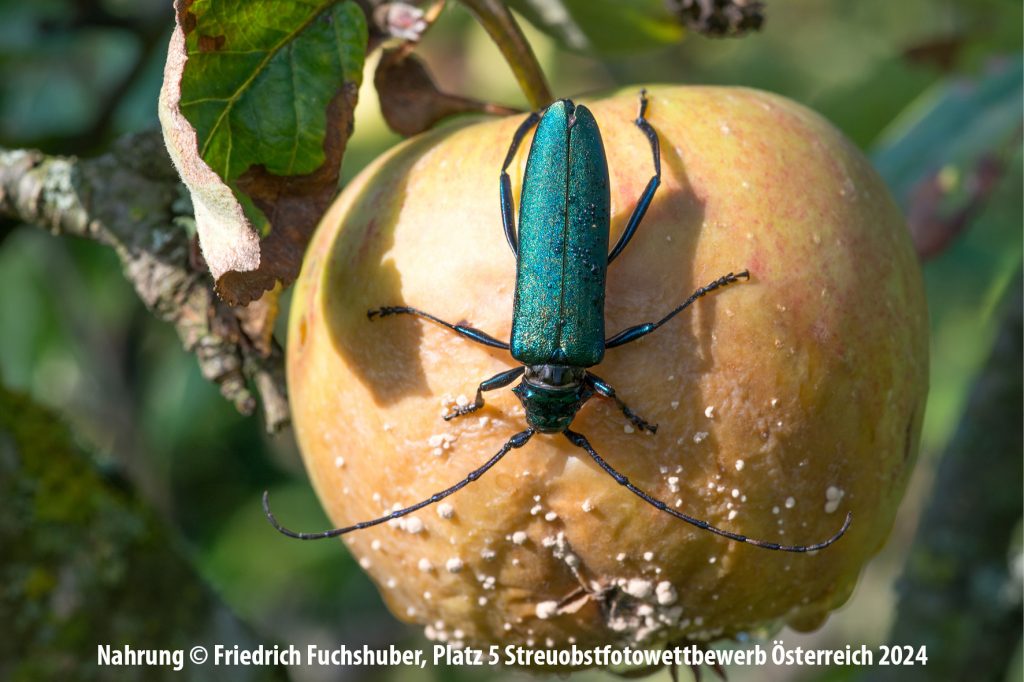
x=516, y=441
x=580, y=441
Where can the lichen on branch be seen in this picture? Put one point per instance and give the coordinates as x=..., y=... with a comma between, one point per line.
x=131, y=200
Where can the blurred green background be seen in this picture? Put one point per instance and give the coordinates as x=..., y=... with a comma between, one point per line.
x=931, y=89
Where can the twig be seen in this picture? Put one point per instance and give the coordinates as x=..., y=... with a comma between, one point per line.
x=497, y=20
x=131, y=200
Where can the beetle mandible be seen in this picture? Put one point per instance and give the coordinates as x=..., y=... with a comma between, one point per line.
x=558, y=333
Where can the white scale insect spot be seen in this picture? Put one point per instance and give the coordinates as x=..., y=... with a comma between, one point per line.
x=775, y=402
x=482, y=601
x=740, y=464
x=700, y=436
x=387, y=426
x=674, y=404
x=665, y=593
x=391, y=583
x=414, y=525
x=648, y=556
x=507, y=627
x=673, y=484
x=461, y=400
x=735, y=492
x=536, y=509
x=679, y=503
x=410, y=611
x=726, y=130
x=375, y=545
x=833, y=496
x=790, y=502
x=620, y=557
x=551, y=516
x=572, y=561
x=519, y=537
x=488, y=554
x=775, y=510
x=375, y=497
x=439, y=442
x=483, y=421
x=365, y=563
x=339, y=462
x=639, y=588
x=425, y=565
x=549, y=541
x=587, y=505
x=427, y=596
x=445, y=510
x=712, y=560
x=628, y=428
x=454, y=565
x=709, y=411
x=732, y=515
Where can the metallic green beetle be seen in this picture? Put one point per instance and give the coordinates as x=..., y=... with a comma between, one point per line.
x=558, y=332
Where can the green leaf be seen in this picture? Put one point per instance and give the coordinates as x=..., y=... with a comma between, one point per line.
x=260, y=76
x=256, y=109
x=948, y=140
x=951, y=123
x=603, y=26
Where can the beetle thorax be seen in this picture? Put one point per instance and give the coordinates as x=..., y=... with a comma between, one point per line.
x=552, y=395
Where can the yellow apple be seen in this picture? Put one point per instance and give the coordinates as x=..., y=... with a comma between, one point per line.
x=782, y=402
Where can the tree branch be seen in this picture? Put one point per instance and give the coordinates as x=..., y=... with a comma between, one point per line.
x=132, y=201
x=86, y=564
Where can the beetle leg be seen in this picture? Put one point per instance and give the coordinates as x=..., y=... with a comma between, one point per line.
x=580, y=441
x=508, y=214
x=497, y=381
x=638, y=331
x=516, y=441
x=469, y=332
x=652, y=185
x=603, y=388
